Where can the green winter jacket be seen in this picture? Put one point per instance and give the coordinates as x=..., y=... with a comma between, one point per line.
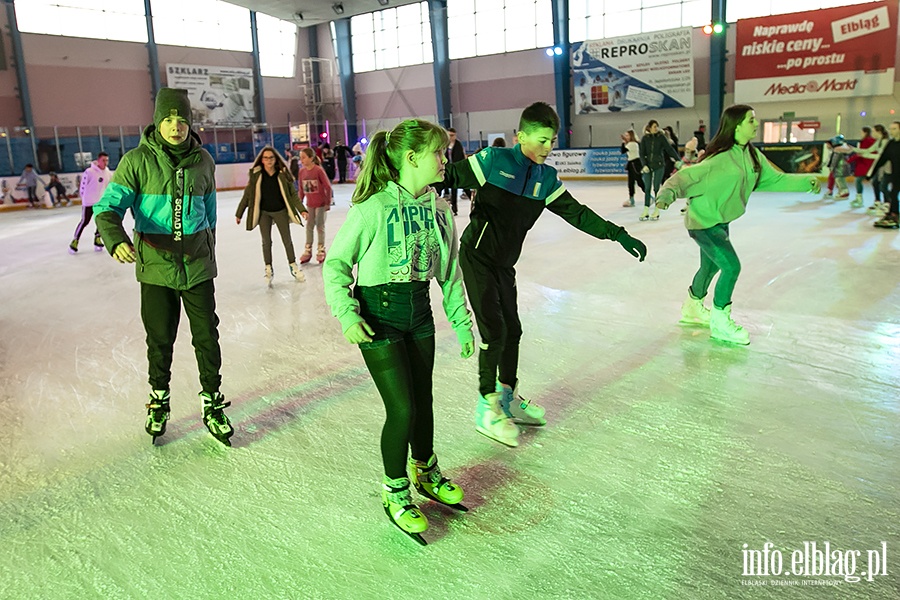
x=174, y=208
x=717, y=188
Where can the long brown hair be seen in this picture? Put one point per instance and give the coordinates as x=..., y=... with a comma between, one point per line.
x=280, y=164
x=723, y=141
x=386, y=150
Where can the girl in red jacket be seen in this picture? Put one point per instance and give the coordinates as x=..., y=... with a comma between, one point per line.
x=861, y=165
x=315, y=189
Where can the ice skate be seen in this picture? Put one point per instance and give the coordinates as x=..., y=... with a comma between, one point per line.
x=693, y=312
x=427, y=479
x=628, y=203
x=645, y=215
x=722, y=327
x=888, y=221
x=857, y=201
x=491, y=421
x=98, y=244
x=307, y=254
x=297, y=273
x=517, y=408
x=828, y=195
x=73, y=247
x=654, y=216
x=874, y=210
x=842, y=196
x=398, y=506
x=214, y=417
x=157, y=413
x=269, y=275
x=320, y=254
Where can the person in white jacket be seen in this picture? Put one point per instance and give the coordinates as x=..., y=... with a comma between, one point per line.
x=399, y=235
x=93, y=182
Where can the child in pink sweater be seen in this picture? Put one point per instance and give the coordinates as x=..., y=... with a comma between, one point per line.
x=315, y=190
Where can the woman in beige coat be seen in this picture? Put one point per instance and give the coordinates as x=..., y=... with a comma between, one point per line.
x=271, y=197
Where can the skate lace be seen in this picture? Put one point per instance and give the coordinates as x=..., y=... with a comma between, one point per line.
x=399, y=496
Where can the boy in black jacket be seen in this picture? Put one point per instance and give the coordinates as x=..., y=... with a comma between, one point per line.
x=514, y=186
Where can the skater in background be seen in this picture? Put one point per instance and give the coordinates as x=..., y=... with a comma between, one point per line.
x=838, y=167
x=654, y=148
x=717, y=189
x=455, y=153
x=514, y=187
x=328, y=161
x=632, y=150
x=890, y=156
x=315, y=189
x=342, y=154
x=169, y=184
x=55, y=185
x=271, y=197
x=880, y=177
x=861, y=164
x=399, y=236
x=93, y=183
x=670, y=136
x=29, y=182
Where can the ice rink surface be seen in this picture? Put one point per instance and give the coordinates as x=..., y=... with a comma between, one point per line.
x=664, y=454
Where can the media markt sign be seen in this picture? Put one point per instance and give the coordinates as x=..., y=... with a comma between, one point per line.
x=812, y=564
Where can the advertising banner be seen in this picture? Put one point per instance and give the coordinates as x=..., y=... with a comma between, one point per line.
x=219, y=95
x=637, y=72
x=827, y=53
x=802, y=157
x=592, y=161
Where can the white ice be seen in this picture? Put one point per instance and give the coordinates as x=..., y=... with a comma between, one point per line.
x=663, y=455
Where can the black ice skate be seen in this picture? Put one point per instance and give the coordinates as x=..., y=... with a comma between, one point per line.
x=214, y=416
x=157, y=413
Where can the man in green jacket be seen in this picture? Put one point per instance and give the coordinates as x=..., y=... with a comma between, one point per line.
x=169, y=183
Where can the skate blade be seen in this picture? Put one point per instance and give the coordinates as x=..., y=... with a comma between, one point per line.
x=729, y=341
x=694, y=322
x=416, y=536
x=511, y=443
x=529, y=421
x=456, y=506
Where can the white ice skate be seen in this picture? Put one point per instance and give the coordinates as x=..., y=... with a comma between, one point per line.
x=693, y=312
x=517, y=408
x=722, y=327
x=491, y=421
x=269, y=275
x=297, y=273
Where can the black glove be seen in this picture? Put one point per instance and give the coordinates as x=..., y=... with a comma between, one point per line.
x=633, y=246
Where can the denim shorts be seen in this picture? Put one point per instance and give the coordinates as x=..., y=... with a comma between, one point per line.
x=395, y=311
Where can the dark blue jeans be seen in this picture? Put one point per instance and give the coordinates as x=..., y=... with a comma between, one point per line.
x=652, y=179
x=716, y=254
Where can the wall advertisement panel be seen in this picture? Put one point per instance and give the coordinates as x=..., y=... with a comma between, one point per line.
x=219, y=95
x=636, y=72
x=827, y=53
x=591, y=161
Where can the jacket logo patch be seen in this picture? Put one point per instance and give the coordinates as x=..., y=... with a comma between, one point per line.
x=537, y=189
x=507, y=175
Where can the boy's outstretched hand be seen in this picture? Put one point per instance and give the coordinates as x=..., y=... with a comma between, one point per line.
x=633, y=246
x=665, y=198
x=468, y=349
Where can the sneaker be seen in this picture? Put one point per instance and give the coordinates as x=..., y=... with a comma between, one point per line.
x=693, y=312
x=73, y=247
x=655, y=215
x=888, y=221
x=722, y=327
x=157, y=413
x=428, y=480
x=519, y=409
x=491, y=421
x=269, y=274
x=296, y=272
x=857, y=201
x=628, y=203
x=645, y=215
x=214, y=417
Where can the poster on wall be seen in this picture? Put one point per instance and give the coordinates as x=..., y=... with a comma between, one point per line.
x=219, y=95
x=637, y=72
x=827, y=53
x=803, y=157
x=593, y=161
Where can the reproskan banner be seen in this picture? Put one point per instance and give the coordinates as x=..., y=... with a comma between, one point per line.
x=827, y=53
